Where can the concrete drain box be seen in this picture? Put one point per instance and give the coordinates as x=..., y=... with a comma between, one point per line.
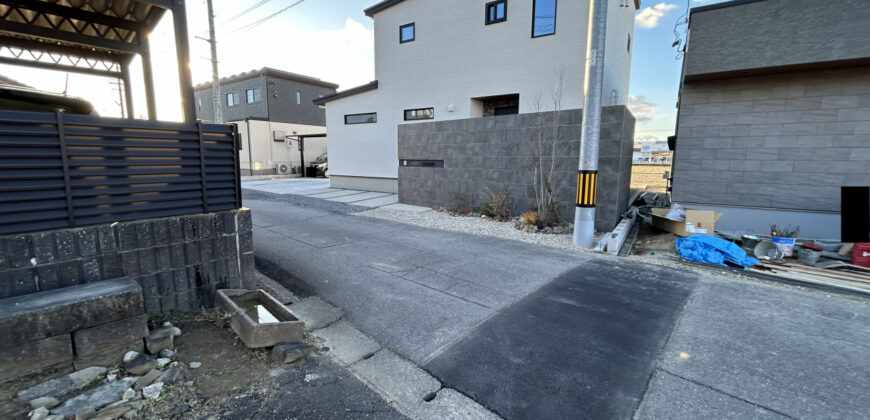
x=258, y=318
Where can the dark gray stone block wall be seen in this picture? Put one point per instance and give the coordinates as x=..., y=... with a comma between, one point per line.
x=489, y=152
x=784, y=141
x=178, y=261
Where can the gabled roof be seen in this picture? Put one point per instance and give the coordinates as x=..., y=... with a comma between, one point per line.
x=268, y=71
x=390, y=3
x=344, y=94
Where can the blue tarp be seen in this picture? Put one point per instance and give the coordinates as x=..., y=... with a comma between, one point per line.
x=713, y=250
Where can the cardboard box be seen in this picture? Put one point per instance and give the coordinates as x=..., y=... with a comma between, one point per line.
x=697, y=221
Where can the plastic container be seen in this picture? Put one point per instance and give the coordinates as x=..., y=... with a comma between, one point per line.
x=861, y=254
x=786, y=245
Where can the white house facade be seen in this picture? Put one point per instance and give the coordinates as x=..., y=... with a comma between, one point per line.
x=458, y=59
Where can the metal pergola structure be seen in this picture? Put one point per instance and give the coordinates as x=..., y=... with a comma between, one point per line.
x=96, y=37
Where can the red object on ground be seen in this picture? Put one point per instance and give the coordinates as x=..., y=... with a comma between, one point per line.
x=814, y=247
x=861, y=254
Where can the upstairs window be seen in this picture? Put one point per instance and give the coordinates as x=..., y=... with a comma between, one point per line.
x=496, y=12
x=253, y=95
x=419, y=114
x=233, y=99
x=369, y=118
x=629, y=44
x=298, y=98
x=543, y=18
x=406, y=33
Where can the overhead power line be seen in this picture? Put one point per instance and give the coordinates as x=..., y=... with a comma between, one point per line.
x=259, y=22
x=248, y=10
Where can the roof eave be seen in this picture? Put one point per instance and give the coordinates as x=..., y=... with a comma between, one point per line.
x=344, y=94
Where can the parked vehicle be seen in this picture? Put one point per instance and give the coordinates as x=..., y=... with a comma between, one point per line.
x=16, y=98
x=322, y=165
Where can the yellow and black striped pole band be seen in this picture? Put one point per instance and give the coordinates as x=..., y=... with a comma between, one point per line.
x=587, y=183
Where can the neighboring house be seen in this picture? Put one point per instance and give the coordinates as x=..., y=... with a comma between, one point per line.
x=652, y=153
x=460, y=59
x=269, y=105
x=774, y=112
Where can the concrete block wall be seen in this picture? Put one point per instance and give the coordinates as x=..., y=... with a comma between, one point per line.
x=489, y=152
x=178, y=261
x=784, y=141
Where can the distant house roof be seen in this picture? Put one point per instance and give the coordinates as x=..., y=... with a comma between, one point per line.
x=722, y=5
x=390, y=3
x=11, y=82
x=267, y=71
x=345, y=93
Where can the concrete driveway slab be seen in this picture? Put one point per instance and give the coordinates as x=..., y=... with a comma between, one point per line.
x=378, y=202
x=358, y=197
x=333, y=194
x=315, y=313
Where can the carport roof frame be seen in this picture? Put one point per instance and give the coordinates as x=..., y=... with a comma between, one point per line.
x=83, y=36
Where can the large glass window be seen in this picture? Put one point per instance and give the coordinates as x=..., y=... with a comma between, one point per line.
x=253, y=95
x=543, y=18
x=419, y=114
x=233, y=99
x=368, y=118
x=406, y=33
x=496, y=12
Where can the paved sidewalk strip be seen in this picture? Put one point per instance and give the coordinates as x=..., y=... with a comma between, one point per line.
x=378, y=202
x=333, y=194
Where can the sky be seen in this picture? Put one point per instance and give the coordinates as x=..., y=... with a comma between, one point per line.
x=334, y=41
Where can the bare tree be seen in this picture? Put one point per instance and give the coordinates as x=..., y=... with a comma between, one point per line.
x=544, y=164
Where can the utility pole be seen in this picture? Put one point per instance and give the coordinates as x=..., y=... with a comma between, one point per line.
x=587, y=174
x=117, y=84
x=215, y=78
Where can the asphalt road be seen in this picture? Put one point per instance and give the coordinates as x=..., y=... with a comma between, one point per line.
x=579, y=347
x=527, y=330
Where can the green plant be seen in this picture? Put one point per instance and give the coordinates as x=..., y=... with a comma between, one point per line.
x=497, y=205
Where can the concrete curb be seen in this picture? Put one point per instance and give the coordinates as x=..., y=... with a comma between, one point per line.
x=410, y=389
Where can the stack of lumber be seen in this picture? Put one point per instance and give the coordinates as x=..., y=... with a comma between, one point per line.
x=844, y=276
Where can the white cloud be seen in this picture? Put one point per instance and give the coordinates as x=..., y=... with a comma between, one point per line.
x=643, y=111
x=649, y=16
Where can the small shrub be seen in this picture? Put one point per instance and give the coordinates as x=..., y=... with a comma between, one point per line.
x=465, y=210
x=497, y=205
x=529, y=217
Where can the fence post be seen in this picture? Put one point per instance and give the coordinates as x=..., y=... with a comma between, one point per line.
x=238, y=172
x=67, y=184
x=202, y=174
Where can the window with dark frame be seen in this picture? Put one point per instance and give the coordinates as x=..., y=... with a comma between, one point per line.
x=543, y=18
x=419, y=114
x=368, y=118
x=407, y=33
x=233, y=99
x=629, y=44
x=253, y=95
x=496, y=12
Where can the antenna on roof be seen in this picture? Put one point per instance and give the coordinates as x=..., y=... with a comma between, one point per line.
x=66, y=85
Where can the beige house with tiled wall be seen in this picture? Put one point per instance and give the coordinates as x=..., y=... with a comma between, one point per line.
x=774, y=112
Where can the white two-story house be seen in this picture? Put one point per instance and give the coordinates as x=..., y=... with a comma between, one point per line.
x=456, y=59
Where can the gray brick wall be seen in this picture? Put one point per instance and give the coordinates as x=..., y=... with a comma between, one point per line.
x=774, y=33
x=178, y=261
x=786, y=141
x=490, y=152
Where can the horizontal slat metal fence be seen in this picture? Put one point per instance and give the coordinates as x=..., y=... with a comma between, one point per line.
x=59, y=171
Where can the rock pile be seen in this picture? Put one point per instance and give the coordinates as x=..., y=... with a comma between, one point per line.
x=104, y=394
x=562, y=229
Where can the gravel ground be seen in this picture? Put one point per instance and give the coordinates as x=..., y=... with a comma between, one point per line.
x=472, y=225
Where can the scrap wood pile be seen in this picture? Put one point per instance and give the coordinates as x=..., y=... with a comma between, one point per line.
x=846, y=276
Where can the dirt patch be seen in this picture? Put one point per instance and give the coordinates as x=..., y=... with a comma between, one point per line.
x=649, y=176
x=652, y=241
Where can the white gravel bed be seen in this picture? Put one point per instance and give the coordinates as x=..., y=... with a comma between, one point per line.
x=472, y=225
